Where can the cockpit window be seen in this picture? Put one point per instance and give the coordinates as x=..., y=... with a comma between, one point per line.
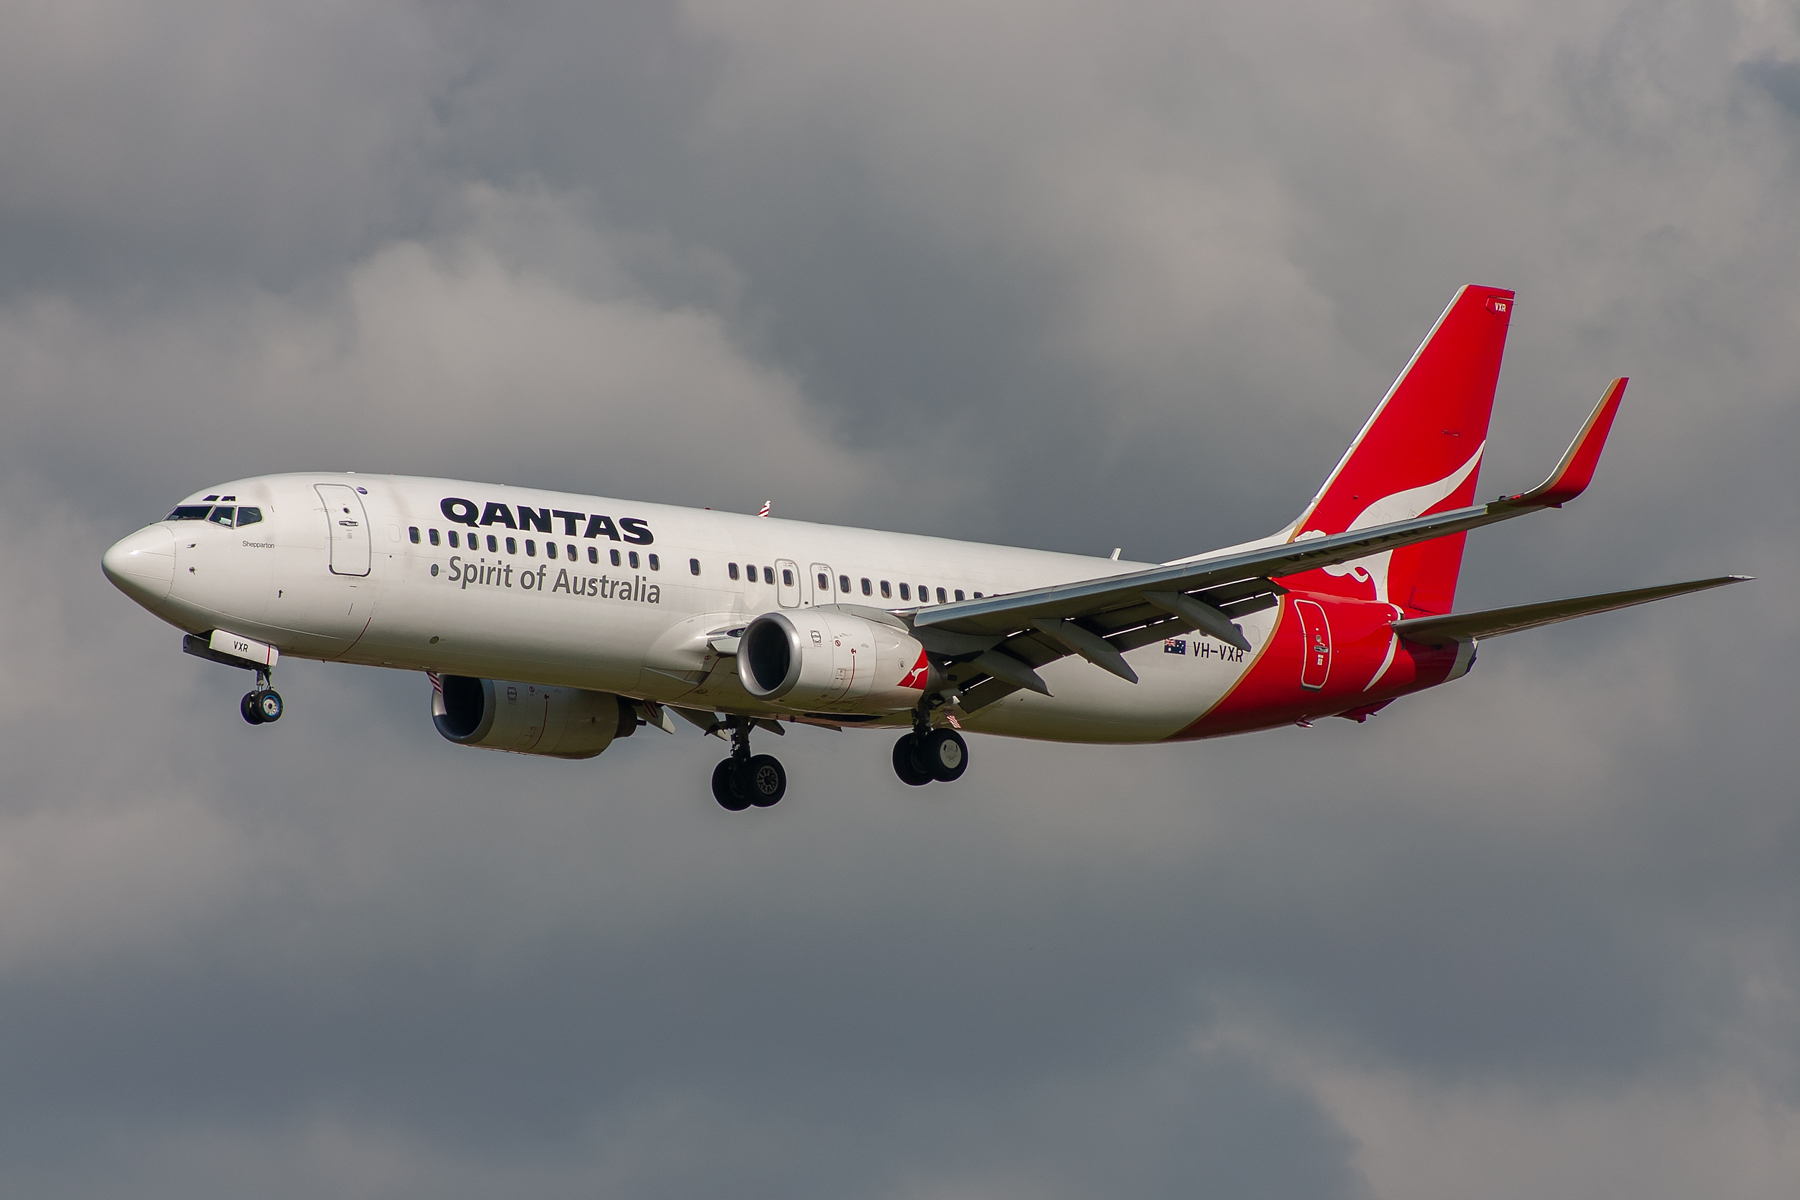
x=222, y=515
x=248, y=516
x=189, y=512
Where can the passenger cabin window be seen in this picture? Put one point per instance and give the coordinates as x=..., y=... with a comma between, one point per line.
x=248, y=516
x=222, y=515
x=594, y=554
x=530, y=548
x=693, y=566
x=655, y=562
x=615, y=558
x=494, y=544
x=573, y=556
x=978, y=595
x=512, y=545
x=189, y=512
x=959, y=594
x=905, y=592
x=824, y=582
x=769, y=576
x=434, y=537
x=412, y=531
x=453, y=539
x=843, y=583
x=731, y=570
x=942, y=599
x=787, y=577
x=867, y=590
x=634, y=560
x=886, y=592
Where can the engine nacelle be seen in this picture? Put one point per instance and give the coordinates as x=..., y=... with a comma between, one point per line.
x=529, y=718
x=824, y=660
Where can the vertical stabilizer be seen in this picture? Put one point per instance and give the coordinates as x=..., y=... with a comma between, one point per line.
x=1419, y=453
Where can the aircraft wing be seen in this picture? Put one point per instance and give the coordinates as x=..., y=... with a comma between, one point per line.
x=1496, y=621
x=998, y=641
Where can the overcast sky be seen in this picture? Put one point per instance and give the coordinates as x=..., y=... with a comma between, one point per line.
x=1069, y=275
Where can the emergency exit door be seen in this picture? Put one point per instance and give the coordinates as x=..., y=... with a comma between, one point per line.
x=787, y=583
x=349, y=528
x=818, y=576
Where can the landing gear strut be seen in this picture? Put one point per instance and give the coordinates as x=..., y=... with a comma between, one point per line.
x=745, y=780
x=261, y=704
x=928, y=754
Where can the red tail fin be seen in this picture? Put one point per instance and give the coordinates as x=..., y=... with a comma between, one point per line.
x=1419, y=453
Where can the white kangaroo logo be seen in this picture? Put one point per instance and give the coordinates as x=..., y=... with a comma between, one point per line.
x=1401, y=506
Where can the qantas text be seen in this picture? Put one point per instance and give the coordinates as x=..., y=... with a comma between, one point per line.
x=595, y=525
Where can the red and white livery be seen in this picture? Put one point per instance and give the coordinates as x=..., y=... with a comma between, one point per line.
x=552, y=623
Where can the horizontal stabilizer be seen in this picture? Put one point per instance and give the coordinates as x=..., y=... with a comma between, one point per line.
x=1460, y=627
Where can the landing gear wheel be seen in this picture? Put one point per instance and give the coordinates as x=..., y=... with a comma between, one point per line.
x=943, y=754
x=904, y=766
x=248, y=706
x=764, y=781
x=729, y=798
x=268, y=706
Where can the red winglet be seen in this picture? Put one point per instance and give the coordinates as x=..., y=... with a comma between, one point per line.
x=1576, y=470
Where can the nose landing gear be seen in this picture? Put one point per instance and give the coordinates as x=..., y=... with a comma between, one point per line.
x=745, y=780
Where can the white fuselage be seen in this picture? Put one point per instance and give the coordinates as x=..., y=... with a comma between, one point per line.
x=617, y=596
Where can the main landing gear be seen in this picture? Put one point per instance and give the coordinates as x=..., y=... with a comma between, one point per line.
x=928, y=754
x=747, y=780
x=261, y=705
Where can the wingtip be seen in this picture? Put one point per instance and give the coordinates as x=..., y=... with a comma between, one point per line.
x=1576, y=470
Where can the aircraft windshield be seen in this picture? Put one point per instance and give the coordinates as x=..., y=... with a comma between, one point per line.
x=220, y=514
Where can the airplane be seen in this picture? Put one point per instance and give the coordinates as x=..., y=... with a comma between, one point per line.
x=550, y=623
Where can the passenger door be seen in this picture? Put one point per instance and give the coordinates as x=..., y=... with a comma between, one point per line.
x=348, y=525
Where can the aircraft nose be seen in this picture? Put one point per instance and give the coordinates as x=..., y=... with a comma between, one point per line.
x=142, y=565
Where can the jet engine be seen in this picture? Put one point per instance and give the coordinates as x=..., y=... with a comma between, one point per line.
x=529, y=718
x=824, y=659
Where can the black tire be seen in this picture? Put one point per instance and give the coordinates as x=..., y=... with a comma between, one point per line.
x=764, y=781
x=904, y=766
x=268, y=705
x=247, y=706
x=944, y=755
x=728, y=798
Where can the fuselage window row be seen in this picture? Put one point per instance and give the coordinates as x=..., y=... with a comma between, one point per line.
x=249, y=516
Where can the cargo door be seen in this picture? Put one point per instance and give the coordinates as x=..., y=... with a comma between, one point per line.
x=1315, y=649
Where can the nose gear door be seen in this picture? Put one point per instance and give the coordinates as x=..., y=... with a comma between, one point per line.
x=349, y=528
x=1315, y=648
